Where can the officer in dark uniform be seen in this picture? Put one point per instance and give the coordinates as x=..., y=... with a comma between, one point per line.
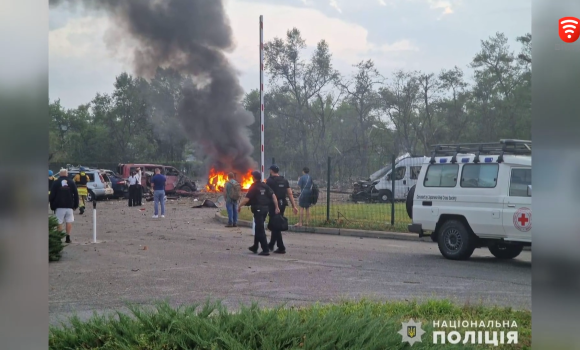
x=260, y=197
x=51, y=180
x=281, y=189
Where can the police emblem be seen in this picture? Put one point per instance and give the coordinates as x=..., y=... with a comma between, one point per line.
x=411, y=332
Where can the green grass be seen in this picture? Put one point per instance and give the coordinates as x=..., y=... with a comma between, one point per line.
x=350, y=216
x=55, y=245
x=348, y=325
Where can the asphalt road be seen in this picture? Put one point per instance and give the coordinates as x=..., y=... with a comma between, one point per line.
x=188, y=257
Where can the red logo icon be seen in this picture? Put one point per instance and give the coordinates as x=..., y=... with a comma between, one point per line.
x=569, y=29
x=523, y=219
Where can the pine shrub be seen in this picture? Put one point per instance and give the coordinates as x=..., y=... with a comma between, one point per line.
x=55, y=245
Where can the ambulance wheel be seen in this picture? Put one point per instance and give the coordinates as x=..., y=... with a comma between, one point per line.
x=409, y=203
x=455, y=241
x=505, y=251
x=385, y=196
x=90, y=196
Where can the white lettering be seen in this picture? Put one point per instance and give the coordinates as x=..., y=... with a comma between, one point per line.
x=491, y=341
x=435, y=334
x=479, y=337
x=506, y=324
x=470, y=334
x=497, y=324
x=489, y=324
x=435, y=324
x=465, y=324
x=482, y=324
x=452, y=324
x=454, y=337
x=501, y=337
x=512, y=337
x=444, y=324
x=474, y=324
x=514, y=324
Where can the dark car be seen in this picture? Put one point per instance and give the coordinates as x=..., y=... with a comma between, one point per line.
x=120, y=187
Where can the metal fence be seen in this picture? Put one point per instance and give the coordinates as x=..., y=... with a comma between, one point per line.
x=378, y=203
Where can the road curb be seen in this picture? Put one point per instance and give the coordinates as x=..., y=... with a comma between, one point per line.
x=339, y=231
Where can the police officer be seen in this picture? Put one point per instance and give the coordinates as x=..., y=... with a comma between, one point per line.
x=81, y=179
x=281, y=189
x=260, y=197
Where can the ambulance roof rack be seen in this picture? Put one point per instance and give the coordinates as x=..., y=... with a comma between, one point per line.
x=501, y=148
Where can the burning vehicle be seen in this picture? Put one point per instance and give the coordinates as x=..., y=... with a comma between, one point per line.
x=217, y=180
x=379, y=186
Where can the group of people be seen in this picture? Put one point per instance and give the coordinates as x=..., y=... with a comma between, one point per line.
x=268, y=199
x=135, y=188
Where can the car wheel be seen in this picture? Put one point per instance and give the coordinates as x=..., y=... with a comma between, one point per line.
x=187, y=188
x=455, y=241
x=409, y=203
x=90, y=196
x=506, y=251
x=385, y=196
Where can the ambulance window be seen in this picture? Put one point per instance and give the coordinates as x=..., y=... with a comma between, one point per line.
x=441, y=175
x=519, y=182
x=400, y=173
x=415, y=171
x=479, y=175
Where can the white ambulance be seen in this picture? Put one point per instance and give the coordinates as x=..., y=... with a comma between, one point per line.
x=475, y=195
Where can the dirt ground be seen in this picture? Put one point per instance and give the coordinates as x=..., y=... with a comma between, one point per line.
x=187, y=257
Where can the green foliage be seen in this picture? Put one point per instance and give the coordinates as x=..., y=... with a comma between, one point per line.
x=376, y=217
x=348, y=325
x=360, y=119
x=55, y=245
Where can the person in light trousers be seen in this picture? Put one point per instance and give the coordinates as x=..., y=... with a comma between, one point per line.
x=158, y=182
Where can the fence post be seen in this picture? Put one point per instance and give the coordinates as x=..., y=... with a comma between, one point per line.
x=393, y=190
x=328, y=192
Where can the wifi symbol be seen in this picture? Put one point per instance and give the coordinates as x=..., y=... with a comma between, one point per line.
x=569, y=29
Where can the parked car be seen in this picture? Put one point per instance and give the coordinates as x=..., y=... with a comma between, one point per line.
x=120, y=186
x=99, y=185
x=175, y=179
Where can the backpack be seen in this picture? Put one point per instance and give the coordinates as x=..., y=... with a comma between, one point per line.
x=314, y=192
x=235, y=191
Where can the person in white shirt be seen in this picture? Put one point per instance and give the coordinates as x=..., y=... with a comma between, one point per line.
x=138, y=188
x=132, y=186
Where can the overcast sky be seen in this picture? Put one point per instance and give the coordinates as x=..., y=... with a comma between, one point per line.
x=426, y=35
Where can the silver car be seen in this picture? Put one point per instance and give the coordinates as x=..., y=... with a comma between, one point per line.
x=99, y=185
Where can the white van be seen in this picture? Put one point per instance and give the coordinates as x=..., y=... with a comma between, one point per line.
x=472, y=196
x=406, y=175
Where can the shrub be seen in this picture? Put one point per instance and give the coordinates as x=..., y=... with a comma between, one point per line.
x=55, y=245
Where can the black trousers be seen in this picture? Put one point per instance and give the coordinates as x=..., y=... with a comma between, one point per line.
x=132, y=196
x=276, y=237
x=260, y=236
x=138, y=194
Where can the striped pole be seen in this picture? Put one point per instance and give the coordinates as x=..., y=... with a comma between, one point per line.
x=262, y=94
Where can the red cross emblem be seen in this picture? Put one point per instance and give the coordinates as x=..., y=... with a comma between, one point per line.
x=523, y=219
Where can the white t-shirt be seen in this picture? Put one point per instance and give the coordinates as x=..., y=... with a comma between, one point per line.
x=132, y=180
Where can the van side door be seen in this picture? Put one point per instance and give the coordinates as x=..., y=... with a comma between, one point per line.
x=517, y=208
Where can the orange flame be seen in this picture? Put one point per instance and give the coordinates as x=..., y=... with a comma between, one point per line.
x=217, y=180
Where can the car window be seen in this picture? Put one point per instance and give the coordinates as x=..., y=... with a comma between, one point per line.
x=400, y=173
x=169, y=171
x=105, y=177
x=519, y=181
x=479, y=175
x=415, y=171
x=441, y=175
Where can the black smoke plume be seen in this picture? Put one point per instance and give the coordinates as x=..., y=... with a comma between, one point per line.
x=191, y=37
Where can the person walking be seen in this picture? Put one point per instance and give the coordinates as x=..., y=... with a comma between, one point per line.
x=81, y=179
x=132, y=189
x=232, y=194
x=260, y=196
x=158, y=182
x=139, y=187
x=51, y=180
x=305, y=183
x=281, y=189
x=64, y=199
